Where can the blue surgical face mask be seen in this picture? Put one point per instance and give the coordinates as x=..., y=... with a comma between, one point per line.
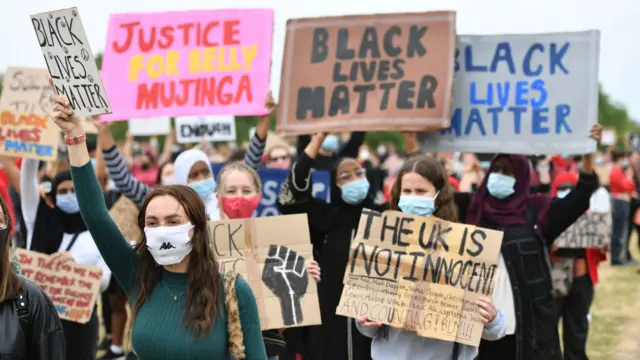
x=599, y=161
x=355, y=191
x=68, y=203
x=93, y=163
x=417, y=205
x=331, y=143
x=563, y=193
x=500, y=186
x=625, y=163
x=204, y=188
x=565, y=156
x=485, y=164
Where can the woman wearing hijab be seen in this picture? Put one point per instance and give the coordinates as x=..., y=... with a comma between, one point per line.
x=332, y=227
x=575, y=294
x=530, y=223
x=172, y=279
x=61, y=231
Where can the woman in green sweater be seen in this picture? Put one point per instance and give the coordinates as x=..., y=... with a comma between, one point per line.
x=172, y=279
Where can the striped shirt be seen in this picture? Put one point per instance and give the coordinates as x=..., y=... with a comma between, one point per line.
x=135, y=190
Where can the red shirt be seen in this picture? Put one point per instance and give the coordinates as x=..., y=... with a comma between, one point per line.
x=619, y=183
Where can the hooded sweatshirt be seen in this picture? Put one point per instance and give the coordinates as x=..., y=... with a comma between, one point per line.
x=182, y=166
x=399, y=344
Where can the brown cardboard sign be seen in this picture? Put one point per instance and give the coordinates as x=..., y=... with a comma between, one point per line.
x=73, y=288
x=124, y=213
x=26, y=129
x=274, y=263
x=591, y=230
x=420, y=274
x=368, y=73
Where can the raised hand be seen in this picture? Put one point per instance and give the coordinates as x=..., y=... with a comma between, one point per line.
x=286, y=276
x=63, y=114
x=596, y=133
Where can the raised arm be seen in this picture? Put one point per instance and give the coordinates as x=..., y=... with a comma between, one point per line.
x=352, y=147
x=253, y=156
x=565, y=211
x=126, y=183
x=115, y=250
x=296, y=193
x=30, y=193
x=169, y=141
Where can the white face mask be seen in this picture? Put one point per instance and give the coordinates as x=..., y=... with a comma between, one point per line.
x=169, y=245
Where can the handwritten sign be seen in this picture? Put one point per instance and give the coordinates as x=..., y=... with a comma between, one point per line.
x=70, y=61
x=523, y=94
x=420, y=274
x=274, y=265
x=272, y=181
x=73, y=288
x=212, y=62
x=634, y=142
x=591, y=230
x=367, y=73
x=25, y=127
x=191, y=129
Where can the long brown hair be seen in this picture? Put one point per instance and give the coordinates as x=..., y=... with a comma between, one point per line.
x=430, y=169
x=204, y=289
x=10, y=283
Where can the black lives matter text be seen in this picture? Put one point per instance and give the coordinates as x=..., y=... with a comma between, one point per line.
x=377, y=66
x=69, y=60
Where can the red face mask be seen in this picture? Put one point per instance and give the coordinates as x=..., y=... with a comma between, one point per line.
x=240, y=207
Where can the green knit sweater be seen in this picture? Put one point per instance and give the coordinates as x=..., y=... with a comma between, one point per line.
x=157, y=332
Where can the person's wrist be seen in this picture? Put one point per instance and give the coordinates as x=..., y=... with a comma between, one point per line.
x=75, y=132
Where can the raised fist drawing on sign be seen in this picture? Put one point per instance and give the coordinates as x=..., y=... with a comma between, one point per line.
x=286, y=276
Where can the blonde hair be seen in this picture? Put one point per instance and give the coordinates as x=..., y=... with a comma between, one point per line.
x=240, y=167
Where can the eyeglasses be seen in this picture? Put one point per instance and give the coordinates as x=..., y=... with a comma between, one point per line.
x=4, y=222
x=348, y=175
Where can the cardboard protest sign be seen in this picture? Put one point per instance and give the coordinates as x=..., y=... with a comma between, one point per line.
x=180, y=63
x=591, y=230
x=73, y=288
x=70, y=60
x=124, y=213
x=192, y=129
x=523, y=94
x=26, y=129
x=275, y=266
x=150, y=127
x=272, y=180
x=367, y=73
x=420, y=274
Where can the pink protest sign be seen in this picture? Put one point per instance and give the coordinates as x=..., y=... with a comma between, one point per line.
x=212, y=62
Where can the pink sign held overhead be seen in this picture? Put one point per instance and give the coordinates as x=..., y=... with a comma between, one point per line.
x=185, y=63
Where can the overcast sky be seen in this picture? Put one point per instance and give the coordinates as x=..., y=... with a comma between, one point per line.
x=618, y=21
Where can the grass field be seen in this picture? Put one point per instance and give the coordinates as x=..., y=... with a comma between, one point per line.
x=615, y=328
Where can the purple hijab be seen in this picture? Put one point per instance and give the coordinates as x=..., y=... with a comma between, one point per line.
x=511, y=210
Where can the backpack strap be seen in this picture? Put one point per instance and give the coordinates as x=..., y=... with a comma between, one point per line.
x=532, y=216
x=234, y=327
x=24, y=315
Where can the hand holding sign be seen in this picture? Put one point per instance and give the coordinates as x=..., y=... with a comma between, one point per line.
x=285, y=275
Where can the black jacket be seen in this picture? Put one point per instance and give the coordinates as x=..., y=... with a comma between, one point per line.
x=30, y=327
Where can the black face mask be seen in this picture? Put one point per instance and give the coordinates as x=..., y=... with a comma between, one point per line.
x=145, y=166
x=4, y=237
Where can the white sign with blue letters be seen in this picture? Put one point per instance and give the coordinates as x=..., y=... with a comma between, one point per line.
x=523, y=94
